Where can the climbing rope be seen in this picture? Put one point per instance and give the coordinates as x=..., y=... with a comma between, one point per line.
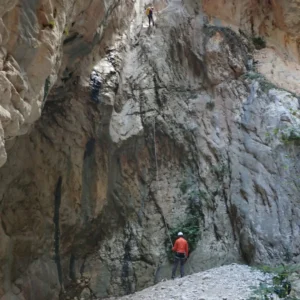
x=156, y=169
x=158, y=190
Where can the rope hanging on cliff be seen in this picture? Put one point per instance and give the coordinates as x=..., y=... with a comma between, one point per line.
x=156, y=169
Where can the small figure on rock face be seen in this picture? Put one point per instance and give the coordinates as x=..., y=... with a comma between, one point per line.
x=149, y=13
x=95, y=84
x=181, y=250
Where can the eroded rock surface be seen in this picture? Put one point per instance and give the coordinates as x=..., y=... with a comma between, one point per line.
x=187, y=126
x=42, y=44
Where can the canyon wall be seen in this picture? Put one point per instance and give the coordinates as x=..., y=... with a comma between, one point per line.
x=193, y=123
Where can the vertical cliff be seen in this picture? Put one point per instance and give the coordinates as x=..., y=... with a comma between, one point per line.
x=196, y=123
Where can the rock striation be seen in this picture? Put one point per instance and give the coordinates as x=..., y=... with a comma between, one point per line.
x=193, y=123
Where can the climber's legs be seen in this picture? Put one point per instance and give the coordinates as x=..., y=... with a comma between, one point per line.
x=182, y=261
x=179, y=257
x=150, y=17
x=95, y=95
x=176, y=261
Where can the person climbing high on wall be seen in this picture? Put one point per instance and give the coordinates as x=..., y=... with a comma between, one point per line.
x=181, y=250
x=95, y=84
x=149, y=13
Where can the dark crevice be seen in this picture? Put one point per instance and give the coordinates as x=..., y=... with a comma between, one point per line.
x=231, y=211
x=252, y=25
x=126, y=282
x=88, y=180
x=216, y=232
x=57, y=202
x=47, y=138
x=89, y=148
x=72, y=273
x=82, y=267
x=156, y=88
x=71, y=38
x=4, y=227
x=46, y=90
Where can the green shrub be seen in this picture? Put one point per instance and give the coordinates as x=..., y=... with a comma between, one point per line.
x=275, y=131
x=184, y=186
x=253, y=76
x=210, y=105
x=66, y=31
x=259, y=42
x=280, y=283
x=292, y=135
x=199, y=194
x=230, y=38
x=201, y=198
x=220, y=170
x=51, y=24
x=191, y=230
x=265, y=84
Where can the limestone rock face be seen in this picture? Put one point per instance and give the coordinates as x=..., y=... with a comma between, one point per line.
x=188, y=125
x=42, y=43
x=259, y=15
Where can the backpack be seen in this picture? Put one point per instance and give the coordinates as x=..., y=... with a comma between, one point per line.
x=148, y=11
x=95, y=81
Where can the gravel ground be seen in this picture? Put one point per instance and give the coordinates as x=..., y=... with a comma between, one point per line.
x=231, y=282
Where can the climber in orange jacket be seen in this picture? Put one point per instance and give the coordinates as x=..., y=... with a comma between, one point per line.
x=181, y=250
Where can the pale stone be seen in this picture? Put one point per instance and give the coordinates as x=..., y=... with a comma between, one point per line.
x=219, y=283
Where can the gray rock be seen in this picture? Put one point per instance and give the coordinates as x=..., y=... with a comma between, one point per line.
x=226, y=282
x=88, y=191
x=85, y=294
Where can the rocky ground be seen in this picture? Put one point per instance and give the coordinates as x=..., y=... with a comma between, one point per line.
x=231, y=282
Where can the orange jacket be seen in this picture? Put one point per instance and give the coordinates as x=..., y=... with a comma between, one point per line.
x=181, y=246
